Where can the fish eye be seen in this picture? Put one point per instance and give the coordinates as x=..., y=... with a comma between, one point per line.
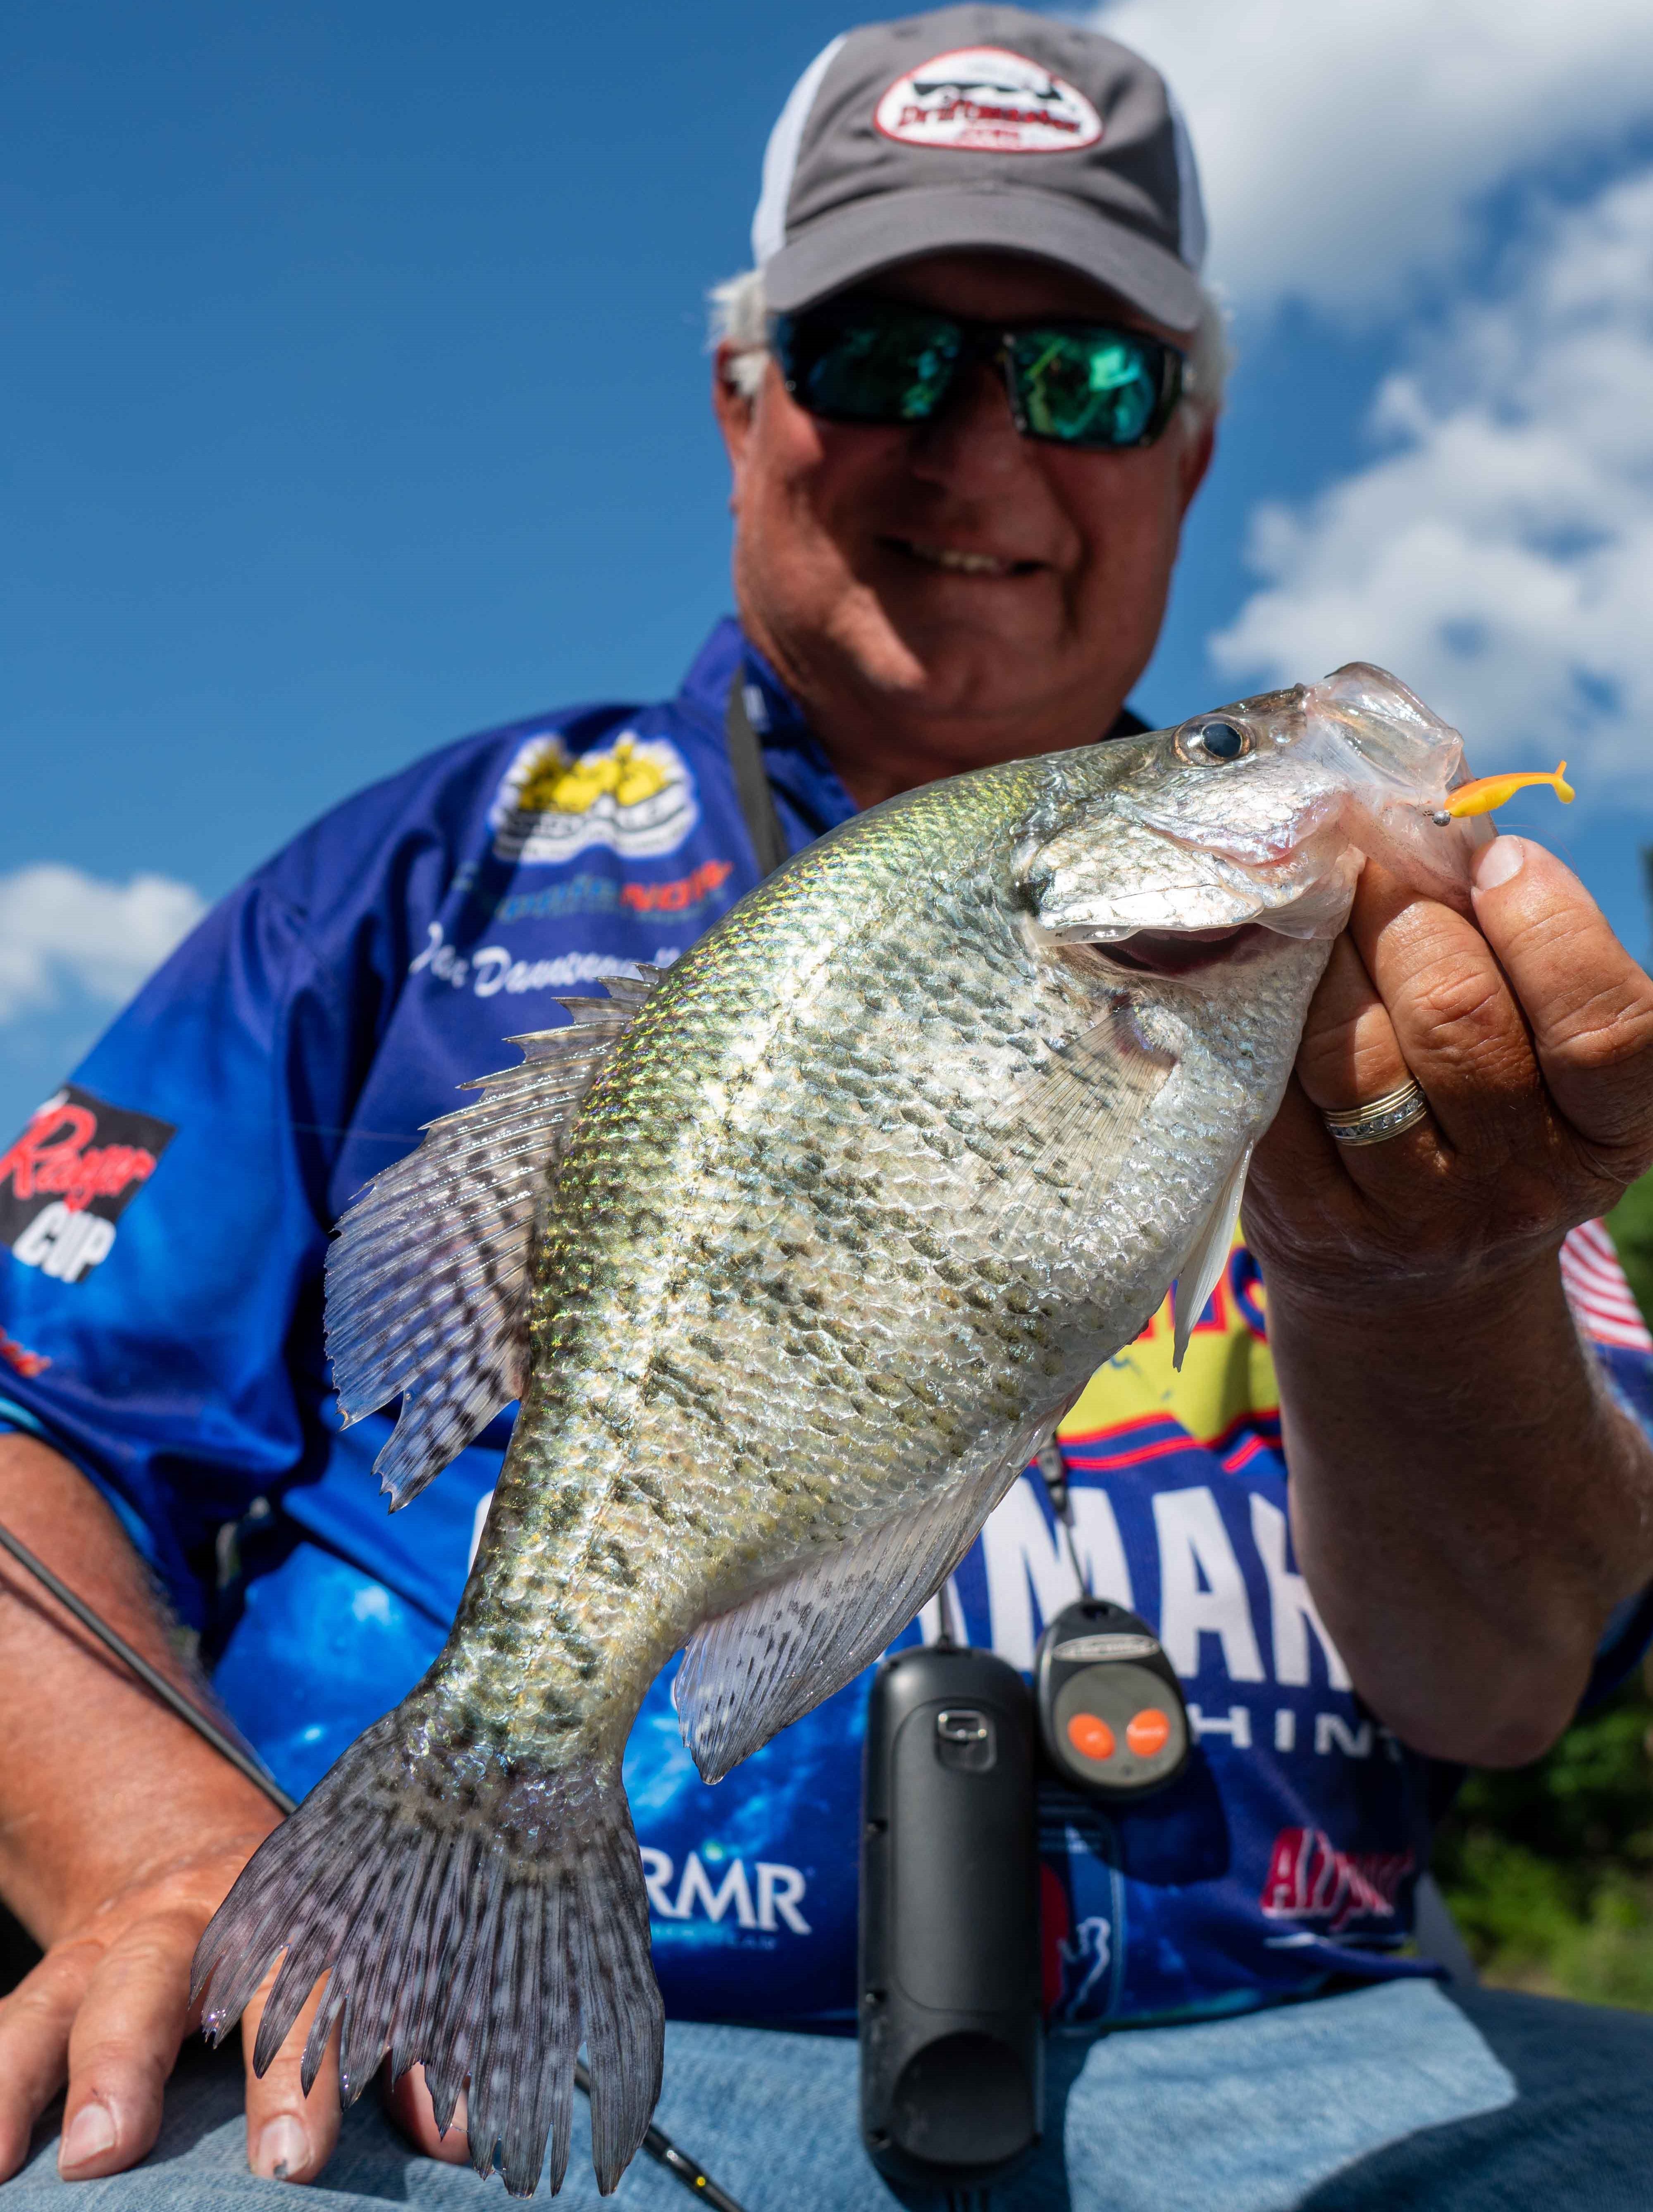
x=1214, y=741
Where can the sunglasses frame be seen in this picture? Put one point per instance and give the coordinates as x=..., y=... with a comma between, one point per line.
x=979, y=340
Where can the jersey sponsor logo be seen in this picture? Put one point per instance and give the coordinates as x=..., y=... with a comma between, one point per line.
x=634, y=794
x=683, y=895
x=69, y=1177
x=713, y=1885
x=1082, y=1962
x=686, y=896
x=20, y=1359
x=1310, y=1879
x=1138, y=1405
x=986, y=99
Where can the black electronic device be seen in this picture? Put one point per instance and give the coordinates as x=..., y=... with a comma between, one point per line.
x=951, y=2040
x=1111, y=1714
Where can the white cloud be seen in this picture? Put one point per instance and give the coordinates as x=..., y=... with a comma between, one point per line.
x=61, y=928
x=1497, y=553
x=1345, y=143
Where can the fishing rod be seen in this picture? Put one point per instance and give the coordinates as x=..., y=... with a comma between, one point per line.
x=659, y=2145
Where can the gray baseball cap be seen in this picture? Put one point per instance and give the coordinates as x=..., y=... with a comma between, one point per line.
x=987, y=127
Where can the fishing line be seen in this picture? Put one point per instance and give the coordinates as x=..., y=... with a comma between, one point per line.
x=225, y=1746
x=659, y=2145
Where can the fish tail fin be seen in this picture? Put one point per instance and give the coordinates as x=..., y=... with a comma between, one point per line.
x=475, y=1918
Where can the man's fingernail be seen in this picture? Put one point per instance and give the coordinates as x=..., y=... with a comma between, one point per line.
x=1496, y=863
x=283, y=2147
x=89, y=2135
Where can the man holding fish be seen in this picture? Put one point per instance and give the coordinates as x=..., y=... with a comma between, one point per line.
x=795, y=1255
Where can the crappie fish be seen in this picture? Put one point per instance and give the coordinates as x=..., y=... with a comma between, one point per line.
x=795, y=1255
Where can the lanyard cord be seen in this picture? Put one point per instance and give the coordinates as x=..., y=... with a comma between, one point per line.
x=1052, y=1473
x=659, y=2145
x=752, y=780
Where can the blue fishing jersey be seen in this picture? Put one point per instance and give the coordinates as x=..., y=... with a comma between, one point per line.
x=166, y=1217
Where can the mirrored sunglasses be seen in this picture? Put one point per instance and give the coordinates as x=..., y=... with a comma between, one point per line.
x=885, y=363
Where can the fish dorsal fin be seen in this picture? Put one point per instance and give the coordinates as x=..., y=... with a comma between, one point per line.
x=749, y=1672
x=1202, y=1270
x=428, y=1277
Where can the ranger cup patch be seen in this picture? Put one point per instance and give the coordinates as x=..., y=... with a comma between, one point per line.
x=985, y=99
x=71, y=1176
x=634, y=794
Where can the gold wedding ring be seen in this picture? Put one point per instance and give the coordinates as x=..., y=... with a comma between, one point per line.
x=1382, y=1118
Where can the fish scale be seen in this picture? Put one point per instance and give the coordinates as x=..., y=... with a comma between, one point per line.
x=832, y=1222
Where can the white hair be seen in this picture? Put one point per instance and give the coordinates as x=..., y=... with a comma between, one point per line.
x=739, y=317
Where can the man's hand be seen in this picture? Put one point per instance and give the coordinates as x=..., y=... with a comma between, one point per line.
x=106, y=2011
x=1467, y=1505
x=120, y=1833
x=1533, y=1044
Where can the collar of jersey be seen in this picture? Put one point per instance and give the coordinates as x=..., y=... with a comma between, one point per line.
x=808, y=788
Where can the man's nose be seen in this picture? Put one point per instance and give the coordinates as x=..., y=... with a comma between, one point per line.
x=974, y=440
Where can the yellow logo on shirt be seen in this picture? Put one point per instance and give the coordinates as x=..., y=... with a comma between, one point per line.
x=1227, y=1374
x=559, y=785
x=634, y=794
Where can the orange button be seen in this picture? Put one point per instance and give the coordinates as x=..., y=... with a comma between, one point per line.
x=1148, y=1732
x=1090, y=1737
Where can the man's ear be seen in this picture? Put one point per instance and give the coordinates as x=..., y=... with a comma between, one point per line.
x=731, y=406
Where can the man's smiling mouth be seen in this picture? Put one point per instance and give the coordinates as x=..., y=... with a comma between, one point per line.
x=957, y=562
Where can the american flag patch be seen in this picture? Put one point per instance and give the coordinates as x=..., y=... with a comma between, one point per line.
x=1597, y=1291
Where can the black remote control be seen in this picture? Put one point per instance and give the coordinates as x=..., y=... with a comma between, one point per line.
x=950, y=2032
x=1111, y=1714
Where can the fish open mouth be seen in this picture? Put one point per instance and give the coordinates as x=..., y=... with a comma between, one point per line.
x=1180, y=951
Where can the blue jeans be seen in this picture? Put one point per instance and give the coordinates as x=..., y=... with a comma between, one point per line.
x=1401, y=2095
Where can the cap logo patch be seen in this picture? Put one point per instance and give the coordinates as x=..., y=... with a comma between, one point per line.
x=985, y=99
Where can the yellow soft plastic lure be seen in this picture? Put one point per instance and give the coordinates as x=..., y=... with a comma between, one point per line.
x=1483, y=794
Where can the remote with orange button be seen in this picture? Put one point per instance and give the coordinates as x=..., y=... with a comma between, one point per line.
x=1111, y=1715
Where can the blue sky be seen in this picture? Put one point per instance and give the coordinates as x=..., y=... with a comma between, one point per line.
x=352, y=396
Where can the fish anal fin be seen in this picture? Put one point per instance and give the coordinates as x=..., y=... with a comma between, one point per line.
x=750, y=1671
x=428, y=1277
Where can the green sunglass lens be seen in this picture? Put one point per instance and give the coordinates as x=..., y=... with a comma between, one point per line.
x=1098, y=390
x=887, y=368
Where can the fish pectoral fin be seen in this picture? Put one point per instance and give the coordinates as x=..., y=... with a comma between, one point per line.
x=1075, y=1117
x=1202, y=1270
x=750, y=1671
x=428, y=1277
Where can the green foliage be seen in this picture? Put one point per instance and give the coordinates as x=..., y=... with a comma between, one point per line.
x=1630, y=1225
x=1549, y=1869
